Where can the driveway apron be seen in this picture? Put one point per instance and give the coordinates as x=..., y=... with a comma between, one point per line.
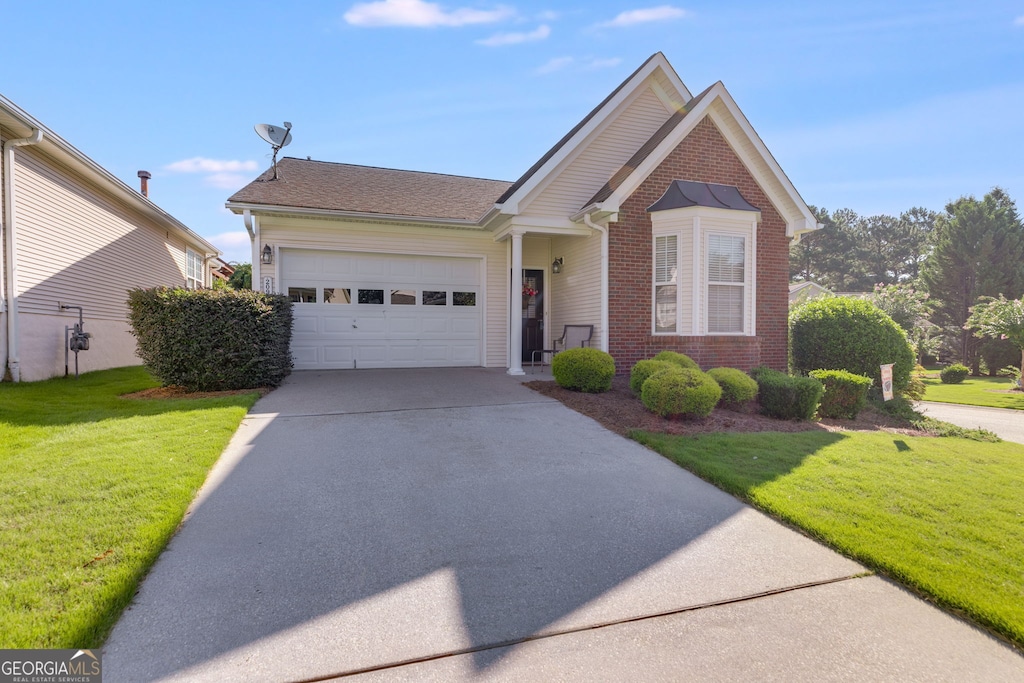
x=452, y=524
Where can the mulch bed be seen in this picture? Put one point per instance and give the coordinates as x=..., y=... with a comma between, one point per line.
x=621, y=412
x=173, y=392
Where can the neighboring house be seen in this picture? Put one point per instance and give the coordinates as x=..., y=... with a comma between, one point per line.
x=74, y=234
x=221, y=269
x=802, y=292
x=661, y=219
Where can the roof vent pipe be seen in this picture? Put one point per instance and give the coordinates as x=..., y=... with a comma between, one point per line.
x=144, y=177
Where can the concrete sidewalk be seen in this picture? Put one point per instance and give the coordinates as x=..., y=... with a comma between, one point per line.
x=452, y=524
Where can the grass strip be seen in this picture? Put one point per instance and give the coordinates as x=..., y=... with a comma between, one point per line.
x=989, y=392
x=94, y=486
x=943, y=516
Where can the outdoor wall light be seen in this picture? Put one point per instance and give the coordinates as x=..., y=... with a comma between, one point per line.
x=267, y=257
x=556, y=265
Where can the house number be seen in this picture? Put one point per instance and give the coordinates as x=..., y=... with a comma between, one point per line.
x=268, y=284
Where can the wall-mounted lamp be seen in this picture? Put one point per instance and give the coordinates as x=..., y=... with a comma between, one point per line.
x=267, y=257
x=556, y=265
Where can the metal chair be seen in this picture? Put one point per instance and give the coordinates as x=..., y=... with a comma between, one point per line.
x=572, y=337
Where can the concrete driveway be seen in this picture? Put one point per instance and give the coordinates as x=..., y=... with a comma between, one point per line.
x=454, y=525
x=1006, y=423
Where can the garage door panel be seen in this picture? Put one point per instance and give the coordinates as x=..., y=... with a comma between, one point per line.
x=400, y=332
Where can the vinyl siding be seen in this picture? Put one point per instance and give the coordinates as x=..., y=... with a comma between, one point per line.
x=600, y=159
x=78, y=247
x=298, y=233
x=576, y=291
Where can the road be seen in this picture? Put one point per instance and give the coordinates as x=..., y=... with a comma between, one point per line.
x=1007, y=423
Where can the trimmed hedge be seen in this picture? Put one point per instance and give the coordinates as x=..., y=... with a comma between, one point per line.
x=680, y=391
x=842, y=333
x=845, y=393
x=954, y=374
x=786, y=397
x=680, y=359
x=583, y=369
x=212, y=340
x=644, y=369
x=737, y=386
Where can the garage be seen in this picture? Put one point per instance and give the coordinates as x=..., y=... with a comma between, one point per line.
x=371, y=310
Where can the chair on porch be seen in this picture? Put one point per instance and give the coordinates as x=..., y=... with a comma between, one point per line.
x=572, y=337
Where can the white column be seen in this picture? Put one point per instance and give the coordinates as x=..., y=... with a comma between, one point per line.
x=515, y=365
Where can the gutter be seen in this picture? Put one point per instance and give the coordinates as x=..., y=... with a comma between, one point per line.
x=604, y=277
x=356, y=215
x=13, y=362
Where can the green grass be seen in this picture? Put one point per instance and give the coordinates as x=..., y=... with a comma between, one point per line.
x=93, y=487
x=942, y=515
x=990, y=392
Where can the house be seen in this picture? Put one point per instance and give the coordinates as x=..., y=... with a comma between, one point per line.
x=660, y=218
x=802, y=292
x=76, y=236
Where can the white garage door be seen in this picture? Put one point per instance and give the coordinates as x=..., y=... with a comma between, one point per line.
x=357, y=310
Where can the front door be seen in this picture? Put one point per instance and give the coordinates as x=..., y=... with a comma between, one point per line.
x=533, y=313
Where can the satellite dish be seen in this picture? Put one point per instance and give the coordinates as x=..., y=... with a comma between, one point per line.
x=277, y=136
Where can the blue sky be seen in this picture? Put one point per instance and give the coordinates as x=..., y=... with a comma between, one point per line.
x=874, y=106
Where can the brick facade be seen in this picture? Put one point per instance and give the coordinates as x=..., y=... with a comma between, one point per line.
x=703, y=156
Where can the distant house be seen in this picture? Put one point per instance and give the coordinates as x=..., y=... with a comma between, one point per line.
x=661, y=219
x=74, y=234
x=802, y=292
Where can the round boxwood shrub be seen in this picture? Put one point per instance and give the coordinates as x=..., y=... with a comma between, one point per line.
x=583, y=369
x=737, y=386
x=954, y=374
x=786, y=397
x=842, y=333
x=680, y=391
x=845, y=393
x=644, y=369
x=680, y=359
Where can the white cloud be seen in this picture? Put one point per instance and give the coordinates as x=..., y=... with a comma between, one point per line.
x=1019, y=21
x=643, y=16
x=235, y=238
x=555, y=64
x=548, y=15
x=204, y=165
x=227, y=181
x=498, y=39
x=604, y=63
x=420, y=14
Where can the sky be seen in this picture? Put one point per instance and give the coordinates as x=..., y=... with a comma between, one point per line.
x=873, y=106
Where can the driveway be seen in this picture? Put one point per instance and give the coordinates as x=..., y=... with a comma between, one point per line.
x=454, y=525
x=1006, y=423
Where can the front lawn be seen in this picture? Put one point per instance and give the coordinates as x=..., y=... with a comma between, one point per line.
x=942, y=515
x=992, y=392
x=93, y=487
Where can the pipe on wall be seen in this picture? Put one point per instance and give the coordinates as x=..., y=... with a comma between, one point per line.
x=13, y=362
x=604, y=278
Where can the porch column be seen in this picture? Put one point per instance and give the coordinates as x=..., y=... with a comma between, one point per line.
x=515, y=307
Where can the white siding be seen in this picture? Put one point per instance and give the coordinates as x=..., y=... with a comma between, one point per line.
x=76, y=246
x=576, y=291
x=600, y=159
x=298, y=233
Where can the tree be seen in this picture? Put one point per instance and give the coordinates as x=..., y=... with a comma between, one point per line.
x=824, y=256
x=909, y=308
x=977, y=250
x=1000, y=318
x=242, y=277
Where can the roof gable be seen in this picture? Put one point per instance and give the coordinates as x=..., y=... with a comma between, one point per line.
x=655, y=73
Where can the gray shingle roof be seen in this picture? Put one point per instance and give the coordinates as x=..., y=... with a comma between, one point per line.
x=366, y=189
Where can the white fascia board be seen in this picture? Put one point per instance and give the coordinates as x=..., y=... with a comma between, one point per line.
x=574, y=146
x=267, y=209
x=777, y=185
x=541, y=226
x=68, y=155
x=738, y=215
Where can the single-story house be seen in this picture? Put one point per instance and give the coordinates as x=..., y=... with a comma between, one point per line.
x=661, y=219
x=74, y=235
x=802, y=292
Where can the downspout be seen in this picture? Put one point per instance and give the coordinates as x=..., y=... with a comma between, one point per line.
x=253, y=227
x=604, y=278
x=10, y=251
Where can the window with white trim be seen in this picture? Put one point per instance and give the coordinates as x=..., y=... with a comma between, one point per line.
x=666, y=270
x=194, y=264
x=726, y=282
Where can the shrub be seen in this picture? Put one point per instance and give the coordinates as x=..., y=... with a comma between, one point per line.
x=786, y=397
x=954, y=374
x=841, y=333
x=845, y=393
x=997, y=354
x=680, y=391
x=737, y=386
x=915, y=388
x=583, y=369
x=212, y=340
x=680, y=359
x=644, y=369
